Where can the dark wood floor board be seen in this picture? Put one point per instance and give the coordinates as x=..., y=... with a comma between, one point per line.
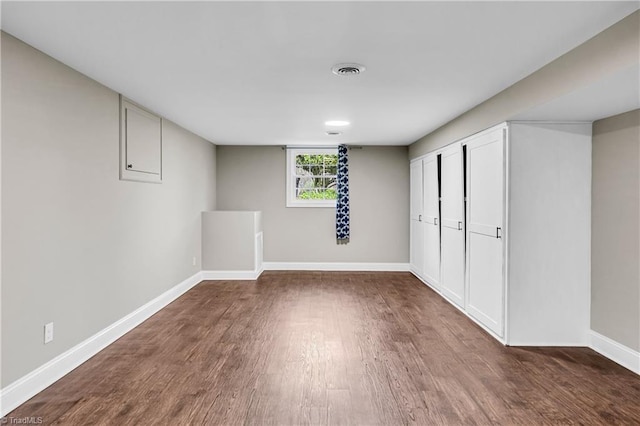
x=319, y=348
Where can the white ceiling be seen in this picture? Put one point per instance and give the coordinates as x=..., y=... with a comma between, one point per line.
x=260, y=73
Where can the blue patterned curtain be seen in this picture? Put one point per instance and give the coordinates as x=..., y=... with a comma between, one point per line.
x=342, y=203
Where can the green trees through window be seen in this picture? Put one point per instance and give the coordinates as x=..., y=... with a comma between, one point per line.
x=315, y=176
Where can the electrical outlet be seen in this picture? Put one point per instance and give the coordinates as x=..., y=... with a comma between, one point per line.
x=48, y=332
x=195, y=261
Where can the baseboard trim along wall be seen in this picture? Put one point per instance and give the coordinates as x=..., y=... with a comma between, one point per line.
x=305, y=266
x=26, y=387
x=460, y=308
x=491, y=333
x=615, y=351
x=231, y=275
x=34, y=382
x=432, y=287
x=336, y=266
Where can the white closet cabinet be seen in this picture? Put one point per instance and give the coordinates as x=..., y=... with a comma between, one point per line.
x=416, y=250
x=452, y=230
x=431, y=219
x=528, y=256
x=526, y=228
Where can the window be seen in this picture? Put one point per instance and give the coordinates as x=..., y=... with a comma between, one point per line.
x=311, y=177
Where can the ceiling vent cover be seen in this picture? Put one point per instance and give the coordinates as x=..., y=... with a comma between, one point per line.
x=348, y=69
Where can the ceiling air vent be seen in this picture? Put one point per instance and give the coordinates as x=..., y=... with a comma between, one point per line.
x=348, y=69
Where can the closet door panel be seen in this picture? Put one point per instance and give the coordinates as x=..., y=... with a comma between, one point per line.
x=452, y=282
x=452, y=187
x=452, y=207
x=485, y=249
x=417, y=247
x=431, y=220
x=415, y=182
x=430, y=186
x=486, y=177
x=486, y=293
x=432, y=254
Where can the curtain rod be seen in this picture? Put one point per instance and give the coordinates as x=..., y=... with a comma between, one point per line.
x=350, y=147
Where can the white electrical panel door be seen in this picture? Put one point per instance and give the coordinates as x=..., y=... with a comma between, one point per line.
x=485, y=192
x=143, y=141
x=415, y=183
x=140, y=143
x=431, y=219
x=452, y=209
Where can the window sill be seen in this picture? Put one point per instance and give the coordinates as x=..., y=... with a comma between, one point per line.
x=312, y=204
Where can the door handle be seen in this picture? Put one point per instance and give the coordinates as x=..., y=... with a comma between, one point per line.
x=435, y=221
x=459, y=226
x=498, y=232
x=419, y=218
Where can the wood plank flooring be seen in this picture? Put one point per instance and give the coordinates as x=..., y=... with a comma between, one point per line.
x=297, y=348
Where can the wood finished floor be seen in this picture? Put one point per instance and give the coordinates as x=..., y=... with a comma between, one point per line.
x=299, y=348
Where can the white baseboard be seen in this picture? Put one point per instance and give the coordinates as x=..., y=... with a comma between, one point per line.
x=615, y=351
x=335, y=266
x=29, y=385
x=303, y=266
x=231, y=275
x=547, y=344
x=428, y=284
x=26, y=387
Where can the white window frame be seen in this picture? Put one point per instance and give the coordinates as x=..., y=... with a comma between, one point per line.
x=292, y=201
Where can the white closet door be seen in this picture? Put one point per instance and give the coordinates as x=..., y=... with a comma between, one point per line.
x=452, y=205
x=416, y=249
x=416, y=190
x=431, y=219
x=485, y=191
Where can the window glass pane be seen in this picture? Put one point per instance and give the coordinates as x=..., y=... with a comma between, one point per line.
x=329, y=182
x=317, y=194
x=331, y=194
x=319, y=159
x=304, y=182
x=316, y=170
x=303, y=170
x=311, y=184
x=302, y=194
x=314, y=176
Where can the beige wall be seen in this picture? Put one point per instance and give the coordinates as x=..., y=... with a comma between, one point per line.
x=615, y=229
x=80, y=247
x=614, y=49
x=253, y=178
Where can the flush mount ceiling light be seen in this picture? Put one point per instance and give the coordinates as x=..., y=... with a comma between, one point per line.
x=348, y=69
x=333, y=133
x=337, y=123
